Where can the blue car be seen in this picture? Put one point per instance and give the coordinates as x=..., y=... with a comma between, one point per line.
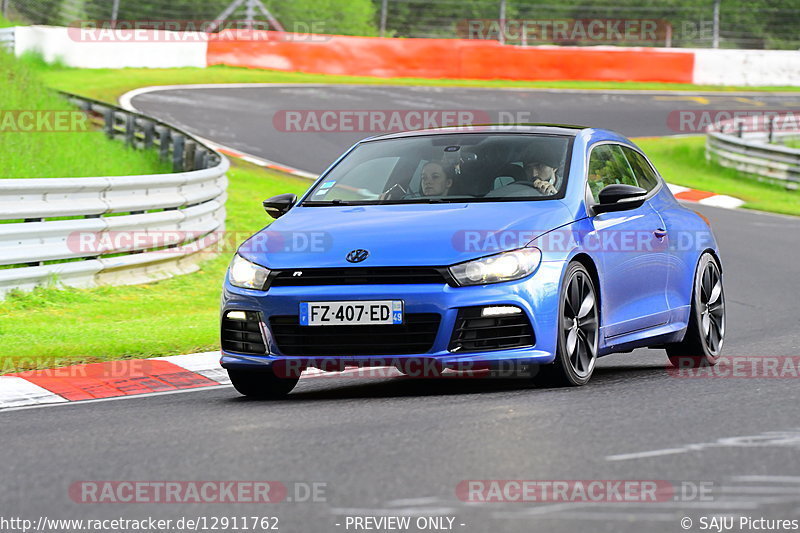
x=529, y=248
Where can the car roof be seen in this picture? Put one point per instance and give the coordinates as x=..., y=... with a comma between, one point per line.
x=543, y=129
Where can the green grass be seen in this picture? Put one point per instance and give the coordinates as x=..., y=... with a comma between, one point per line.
x=792, y=143
x=50, y=327
x=109, y=84
x=80, y=152
x=682, y=161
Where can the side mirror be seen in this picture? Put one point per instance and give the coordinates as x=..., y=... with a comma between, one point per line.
x=277, y=206
x=619, y=197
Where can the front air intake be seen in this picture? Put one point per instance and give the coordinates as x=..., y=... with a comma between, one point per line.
x=476, y=331
x=241, y=333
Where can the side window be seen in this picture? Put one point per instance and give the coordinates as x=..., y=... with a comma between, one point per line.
x=608, y=166
x=645, y=176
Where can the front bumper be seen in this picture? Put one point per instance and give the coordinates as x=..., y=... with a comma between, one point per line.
x=536, y=295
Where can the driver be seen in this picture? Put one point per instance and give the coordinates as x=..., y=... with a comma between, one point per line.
x=543, y=176
x=435, y=179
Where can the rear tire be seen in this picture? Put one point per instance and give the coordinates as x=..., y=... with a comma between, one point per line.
x=262, y=385
x=702, y=344
x=578, y=332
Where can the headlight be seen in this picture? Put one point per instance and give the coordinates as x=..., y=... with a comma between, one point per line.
x=506, y=266
x=242, y=273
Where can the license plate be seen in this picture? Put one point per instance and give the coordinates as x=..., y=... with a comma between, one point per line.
x=351, y=313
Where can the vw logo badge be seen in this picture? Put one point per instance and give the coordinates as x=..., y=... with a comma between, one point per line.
x=356, y=256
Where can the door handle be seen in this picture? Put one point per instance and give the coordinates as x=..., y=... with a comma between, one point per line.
x=660, y=233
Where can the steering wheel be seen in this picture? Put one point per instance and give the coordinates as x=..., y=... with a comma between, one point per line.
x=395, y=192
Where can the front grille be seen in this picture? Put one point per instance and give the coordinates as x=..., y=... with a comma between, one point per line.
x=358, y=276
x=474, y=333
x=243, y=336
x=415, y=336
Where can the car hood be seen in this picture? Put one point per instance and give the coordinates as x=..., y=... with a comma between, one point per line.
x=401, y=235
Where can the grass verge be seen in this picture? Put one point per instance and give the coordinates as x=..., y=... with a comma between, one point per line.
x=681, y=160
x=73, y=148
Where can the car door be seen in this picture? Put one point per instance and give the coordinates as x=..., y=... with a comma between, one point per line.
x=685, y=238
x=631, y=246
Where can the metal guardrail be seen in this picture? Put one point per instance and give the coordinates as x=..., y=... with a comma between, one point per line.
x=747, y=146
x=116, y=230
x=7, y=38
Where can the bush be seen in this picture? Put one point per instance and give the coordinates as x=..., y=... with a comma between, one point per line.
x=38, y=11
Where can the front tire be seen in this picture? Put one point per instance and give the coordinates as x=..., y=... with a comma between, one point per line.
x=262, y=385
x=578, y=331
x=702, y=344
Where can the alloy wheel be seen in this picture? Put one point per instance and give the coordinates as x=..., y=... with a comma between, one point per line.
x=579, y=324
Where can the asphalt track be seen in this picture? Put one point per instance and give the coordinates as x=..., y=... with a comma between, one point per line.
x=401, y=446
x=252, y=120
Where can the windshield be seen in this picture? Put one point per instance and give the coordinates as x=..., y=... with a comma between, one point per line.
x=448, y=168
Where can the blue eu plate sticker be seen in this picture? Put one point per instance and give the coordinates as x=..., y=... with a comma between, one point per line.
x=303, y=313
x=397, y=312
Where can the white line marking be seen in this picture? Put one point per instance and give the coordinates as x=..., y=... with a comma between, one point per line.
x=748, y=489
x=675, y=189
x=643, y=455
x=115, y=398
x=774, y=479
x=16, y=392
x=722, y=200
x=194, y=362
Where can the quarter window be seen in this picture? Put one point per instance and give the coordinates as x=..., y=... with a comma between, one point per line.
x=646, y=178
x=608, y=166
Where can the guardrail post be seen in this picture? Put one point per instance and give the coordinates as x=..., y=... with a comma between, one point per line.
x=189, y=154
x=740, y=129
x=771, y=130
x=130, y=130
x=164, y=139
x=108, y=117
x=177, y=153
x=149, y=133
x=200, y=159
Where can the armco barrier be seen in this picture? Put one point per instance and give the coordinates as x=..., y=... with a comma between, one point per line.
x=184, y=212
x=7, y=38
x=451, y=58
x=745, y=145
